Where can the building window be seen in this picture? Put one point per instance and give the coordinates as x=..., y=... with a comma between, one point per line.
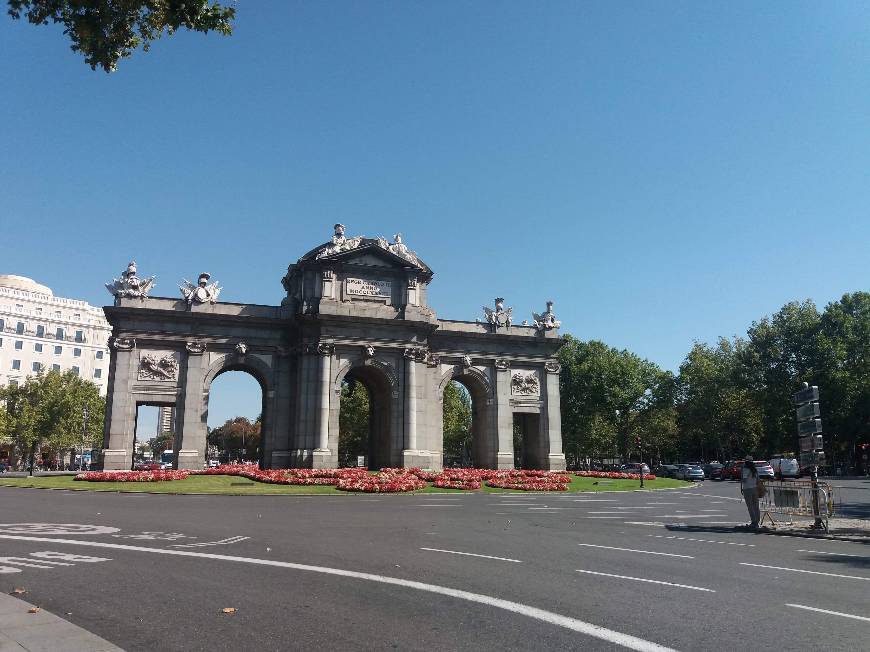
x=76, y=370
x=36, y=366
x=99, y=354
x=13, y=383
x=58, y=334
x=37, y=347
x=55, y=367
x=40, y=331
x=19, y=307
x=1, y=342
x=77, y=352
x=19, y=345
x=80, y=336
x=16, y=364
x=2, y=324
x=58, y=350
x=39, y=311
x=98, y=373
x=57, y=315
x=77, y=316
x=19, y=328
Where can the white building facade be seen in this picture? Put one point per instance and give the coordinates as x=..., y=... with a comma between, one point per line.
x=42, y=332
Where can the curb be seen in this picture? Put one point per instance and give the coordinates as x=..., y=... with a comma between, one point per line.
x=25, y=629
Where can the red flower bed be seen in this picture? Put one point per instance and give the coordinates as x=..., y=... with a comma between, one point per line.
x=446, y=483
x=385, y=481
x=615, y=475
x=131, y=476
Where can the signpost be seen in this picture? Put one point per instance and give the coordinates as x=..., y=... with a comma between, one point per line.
x=810, y=439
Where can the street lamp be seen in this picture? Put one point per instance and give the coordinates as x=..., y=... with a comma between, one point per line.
x=85, y=414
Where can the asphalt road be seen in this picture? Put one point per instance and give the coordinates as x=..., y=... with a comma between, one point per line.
x=558, y=571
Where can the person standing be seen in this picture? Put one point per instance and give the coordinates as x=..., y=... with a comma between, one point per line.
x=749, y=487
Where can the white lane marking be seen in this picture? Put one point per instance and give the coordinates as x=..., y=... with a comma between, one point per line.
x=436, y=505
x=641, y=579
x=646, y=552
x=507, y=504
x=663, y=503
x=650, y=523
x=727, y=543
x=471, y=554
x=827, y=611
x=801, y=570
x=203, y=544
x=545, y=507
x=635, y=508
x=835, y=554
x=605, y=517
x=596, y=631
x=739, y=500
x=608, y=511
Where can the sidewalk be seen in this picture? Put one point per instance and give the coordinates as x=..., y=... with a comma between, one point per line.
x=843, y=529
x=43, y=631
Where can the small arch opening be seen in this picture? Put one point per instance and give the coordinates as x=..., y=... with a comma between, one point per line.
x=235, y=414
x=364, y=419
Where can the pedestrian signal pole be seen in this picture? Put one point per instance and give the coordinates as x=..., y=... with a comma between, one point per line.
x=810, y=439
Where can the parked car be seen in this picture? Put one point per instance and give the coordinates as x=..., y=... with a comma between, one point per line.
x=635, y=467
x=665, y=470
x=689, y=472
x=765, y=471
x=711, y=469
x=785, y=467
x=732, y=470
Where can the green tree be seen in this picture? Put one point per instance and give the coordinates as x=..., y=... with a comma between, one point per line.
x=238, y=438
x=844, y=375
x=783, y=350
x=718, y=415
x=105, y=31
x=457, y=423
x=46, y=412
x=609, y=399
x=164, y=442
x=353, y=423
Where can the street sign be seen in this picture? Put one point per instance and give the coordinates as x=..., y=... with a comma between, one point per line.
x=808, y=411
x=810, y=443
x=809, y=427
x=812, y=459
x=806, y=395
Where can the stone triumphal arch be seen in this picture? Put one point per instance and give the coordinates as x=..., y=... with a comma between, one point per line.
x=355, y=309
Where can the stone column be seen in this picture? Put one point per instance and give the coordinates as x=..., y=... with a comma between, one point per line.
x=555, y=455
x=322, y=456
x=410, y=401
x=190, y=419
x=504, y=418
x=120, y=421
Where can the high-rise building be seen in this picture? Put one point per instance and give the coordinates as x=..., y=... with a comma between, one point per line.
x=165, y=416
x=42, y=332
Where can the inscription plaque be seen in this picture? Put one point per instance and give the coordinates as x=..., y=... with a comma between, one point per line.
x=362, y=287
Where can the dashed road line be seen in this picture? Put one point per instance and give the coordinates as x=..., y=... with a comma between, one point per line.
x=566, y=622
x=642, y=579
x=205, y=544
x=645, y=552
x=809, y=572
x=828, y=611
x=472, y=554
x=727, y=543
x=835, y=554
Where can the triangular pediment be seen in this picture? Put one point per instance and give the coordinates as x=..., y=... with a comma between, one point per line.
x=373, y=255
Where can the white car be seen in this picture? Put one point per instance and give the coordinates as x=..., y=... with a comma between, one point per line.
x=785, y=467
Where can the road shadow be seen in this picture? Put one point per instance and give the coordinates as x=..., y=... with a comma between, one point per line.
x=861, y=563
x=738, y=529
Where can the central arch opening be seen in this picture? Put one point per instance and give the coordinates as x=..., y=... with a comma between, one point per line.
x=234, y=414
x=364, y=420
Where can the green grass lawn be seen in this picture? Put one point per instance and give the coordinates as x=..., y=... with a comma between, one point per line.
x=236, y=486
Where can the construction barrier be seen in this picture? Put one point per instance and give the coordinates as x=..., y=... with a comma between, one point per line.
x=795, y=498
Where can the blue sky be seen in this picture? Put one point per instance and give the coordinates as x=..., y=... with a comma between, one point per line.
x=665, y=172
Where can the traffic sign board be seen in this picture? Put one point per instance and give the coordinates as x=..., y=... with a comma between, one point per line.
x=811, y=442
x=812, y=459
x=807, y=411
x=807, y=395
x=809, y=427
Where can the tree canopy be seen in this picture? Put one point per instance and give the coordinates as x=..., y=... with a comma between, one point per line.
x=105, y=31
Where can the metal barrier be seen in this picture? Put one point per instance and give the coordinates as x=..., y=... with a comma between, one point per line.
x=795, y=498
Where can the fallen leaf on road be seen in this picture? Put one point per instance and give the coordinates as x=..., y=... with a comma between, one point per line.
x=18, y=590
x=33, y=610
x=229, y=610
